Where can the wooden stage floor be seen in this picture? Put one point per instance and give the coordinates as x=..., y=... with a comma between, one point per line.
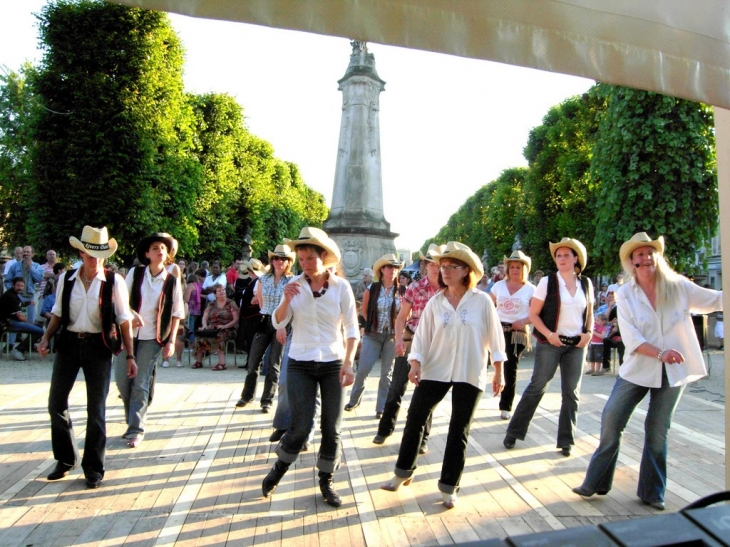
x=196, y=478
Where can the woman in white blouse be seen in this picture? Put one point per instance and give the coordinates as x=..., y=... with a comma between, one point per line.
x=662, y=356
x=321, y=309
x=512, y=298
x=561, y=310
x=458, y=330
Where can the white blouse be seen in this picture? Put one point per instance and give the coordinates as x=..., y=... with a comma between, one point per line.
x=512, y=307
x=640, y=323
x=570, y=319
x=453, y=345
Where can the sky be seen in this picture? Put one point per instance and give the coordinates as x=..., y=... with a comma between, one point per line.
x=448, y=124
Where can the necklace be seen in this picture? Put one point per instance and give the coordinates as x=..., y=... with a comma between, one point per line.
x=325, y=286
x=84, y=278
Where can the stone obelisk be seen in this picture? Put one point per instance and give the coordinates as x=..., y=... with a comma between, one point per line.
x=356, y=221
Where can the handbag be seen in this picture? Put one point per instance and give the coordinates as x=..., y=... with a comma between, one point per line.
x=207, y=333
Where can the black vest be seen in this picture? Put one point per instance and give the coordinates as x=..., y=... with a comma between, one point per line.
x=164, y=307
x=371, y=318
x=551, y=308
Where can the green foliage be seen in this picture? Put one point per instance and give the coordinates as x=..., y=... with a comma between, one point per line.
x=655, y=164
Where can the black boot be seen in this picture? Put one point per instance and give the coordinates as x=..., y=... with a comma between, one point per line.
x=271, y=481
x=327, y=486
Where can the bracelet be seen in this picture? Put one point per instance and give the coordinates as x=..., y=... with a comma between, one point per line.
x=131, y=357
x=549, y=335
x=659, y=355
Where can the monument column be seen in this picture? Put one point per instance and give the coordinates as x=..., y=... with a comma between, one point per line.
x=356, y=221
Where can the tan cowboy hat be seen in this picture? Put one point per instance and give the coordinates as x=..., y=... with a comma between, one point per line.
x=389, y=259
x=144, y=245
x=318, y=237
x=519, y=256
x=574, y=244
x=637, y=240
x=256, y=266
x=433, y=250
x=243, y=270
x=459, y=251
x=282, y=251
x=95, y=242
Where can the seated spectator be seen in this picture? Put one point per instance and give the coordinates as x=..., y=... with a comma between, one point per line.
x=12, y=319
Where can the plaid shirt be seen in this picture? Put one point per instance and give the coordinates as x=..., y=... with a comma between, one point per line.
x=417, y=295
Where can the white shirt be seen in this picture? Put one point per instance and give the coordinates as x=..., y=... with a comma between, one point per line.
x=149, y=310
x=639, y=323
x=512, y=307
x=454, y=345
x=318, y=323
x=570, y=318
x=211, y=281
x=84, y=308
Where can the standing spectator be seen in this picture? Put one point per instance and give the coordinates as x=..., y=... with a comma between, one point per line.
x=562, y=312
x=601, y=297
x=512, y=298
x=595, y=348
x=367, y=279
x=459, y=328
x=269, y=291
x=156, y=300
x=539, y=274
x=215, y=278
x=321, y=308
x=17, y=257
x=232, y=274
x=664, y=356
x=49, y=299
x=250, y=318
x=380, y=305
x=720, y=330
x=47, y=274
x=613, y=337
x=87, y=310
x=412, y=305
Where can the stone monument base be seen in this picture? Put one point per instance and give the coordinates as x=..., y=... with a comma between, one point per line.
x=361, y=251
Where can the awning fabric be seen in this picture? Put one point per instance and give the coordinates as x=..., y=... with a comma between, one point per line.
x=675, y=47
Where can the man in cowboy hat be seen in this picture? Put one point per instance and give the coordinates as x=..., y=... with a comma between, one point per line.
x=155, y=296
x=91, y=302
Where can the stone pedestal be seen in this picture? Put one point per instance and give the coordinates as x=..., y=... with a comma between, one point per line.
x=356, y=221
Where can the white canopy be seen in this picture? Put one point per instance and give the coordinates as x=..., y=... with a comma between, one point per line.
x=675, y=47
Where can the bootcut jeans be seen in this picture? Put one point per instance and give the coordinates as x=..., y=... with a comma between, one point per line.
x=135, y=391
x=374, y=345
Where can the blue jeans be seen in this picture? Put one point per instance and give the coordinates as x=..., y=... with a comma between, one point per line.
x=616, y=414
x=135, y=392
x=302, y=383
x=464, y=400
x=374, y=345
x=547, y=360
x=23, y=326
x=91, y=355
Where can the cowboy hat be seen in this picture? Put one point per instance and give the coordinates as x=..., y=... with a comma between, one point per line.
x=282, y=251
x=640, y=239
x=576, y=246
x=95, y=242
x=243, y=270
x=256, y=266
x=318, y=237
x=459, y=251
x=433, y=250
x=519, y=256
x=385, y=260
x=144, y=245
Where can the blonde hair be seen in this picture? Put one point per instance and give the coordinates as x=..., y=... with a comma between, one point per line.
x=666, y=281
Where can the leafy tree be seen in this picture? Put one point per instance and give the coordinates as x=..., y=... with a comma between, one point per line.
x=113, y=141
x=654, y=160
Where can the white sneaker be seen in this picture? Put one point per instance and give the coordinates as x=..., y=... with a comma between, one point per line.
x=15, y=354
x=178, y=364
x=165, y=364
x=505, y=415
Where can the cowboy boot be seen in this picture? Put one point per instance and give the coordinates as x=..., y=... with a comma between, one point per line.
x=271, y=481
x=327, y=487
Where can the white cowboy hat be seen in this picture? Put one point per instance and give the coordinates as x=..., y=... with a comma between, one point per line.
x=640, y=239
x=256, y=266
x=575, y=245
x=459, y=251
x=95, y=242
x=318, y=237
x=282, y=251
x=433, y=250
x=389, y=259
x=519, y=256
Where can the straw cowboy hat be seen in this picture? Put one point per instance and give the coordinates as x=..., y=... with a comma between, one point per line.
x=459, y=251
x=95, y=242
x=519, y=256
x=389, y=259
x=282, y=251
x=640, y=239
x=432, y=252
x=243, y=270
x=256, y=266
x=315, y=236
x=144, y=245
x=574, y=244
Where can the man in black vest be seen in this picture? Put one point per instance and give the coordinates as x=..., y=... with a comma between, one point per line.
x=155, y=296
x=90, y=305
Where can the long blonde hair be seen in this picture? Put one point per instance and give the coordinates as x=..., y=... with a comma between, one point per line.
x=666, y=280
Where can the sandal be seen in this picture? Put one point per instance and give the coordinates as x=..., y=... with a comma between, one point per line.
x=220, y=366
x=197, y=364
